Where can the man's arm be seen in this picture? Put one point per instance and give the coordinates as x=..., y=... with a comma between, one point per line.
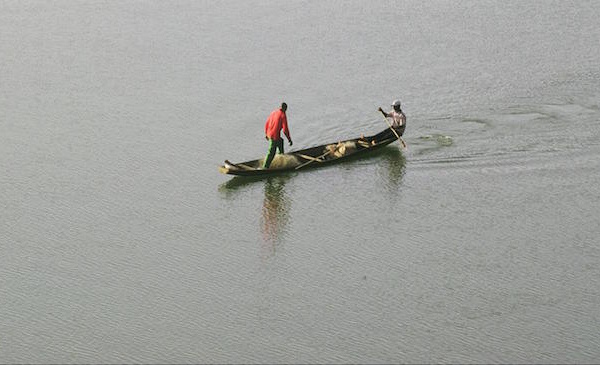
x=286, y=130
x=267, y=129
x=384, y=113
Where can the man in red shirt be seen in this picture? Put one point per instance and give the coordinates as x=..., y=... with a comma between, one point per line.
x=275, y=123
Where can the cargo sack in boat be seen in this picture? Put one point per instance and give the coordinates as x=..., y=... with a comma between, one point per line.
x=341, y=149
x=282, y=161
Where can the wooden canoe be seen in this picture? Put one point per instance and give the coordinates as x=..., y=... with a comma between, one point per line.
x=311, y=157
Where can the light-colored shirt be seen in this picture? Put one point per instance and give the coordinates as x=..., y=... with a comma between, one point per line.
x=398, y=119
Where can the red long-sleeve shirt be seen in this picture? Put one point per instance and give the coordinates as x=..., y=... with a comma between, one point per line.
x=277, y=121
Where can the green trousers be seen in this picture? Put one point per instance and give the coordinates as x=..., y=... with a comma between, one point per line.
x=273, y=146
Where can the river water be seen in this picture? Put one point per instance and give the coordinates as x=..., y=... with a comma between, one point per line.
x=120, y=241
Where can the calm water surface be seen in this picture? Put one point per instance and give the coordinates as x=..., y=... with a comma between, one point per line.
x=122, y=243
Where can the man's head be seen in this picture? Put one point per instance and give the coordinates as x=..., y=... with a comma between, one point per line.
x=396, y=104
x=283, y=106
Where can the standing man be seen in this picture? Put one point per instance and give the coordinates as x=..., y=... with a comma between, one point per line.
x=275, y=123
x=397, y=116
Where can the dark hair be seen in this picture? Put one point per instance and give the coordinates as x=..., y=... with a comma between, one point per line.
x=283, y=106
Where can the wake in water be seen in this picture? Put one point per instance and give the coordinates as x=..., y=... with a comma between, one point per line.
x=515, y=135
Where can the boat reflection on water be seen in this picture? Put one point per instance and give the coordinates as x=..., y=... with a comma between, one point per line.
x=238, y=184
x=275, y=213
x=394, y=168
x=276, y=207
x=275, y=210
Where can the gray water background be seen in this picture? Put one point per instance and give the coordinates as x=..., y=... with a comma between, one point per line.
x=120, y=242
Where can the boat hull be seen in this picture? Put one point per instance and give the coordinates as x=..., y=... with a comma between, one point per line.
x=312, y=157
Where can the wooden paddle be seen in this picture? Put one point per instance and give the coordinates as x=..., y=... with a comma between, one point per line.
x=396, y=133
x=307, y=157
x=313, y=159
